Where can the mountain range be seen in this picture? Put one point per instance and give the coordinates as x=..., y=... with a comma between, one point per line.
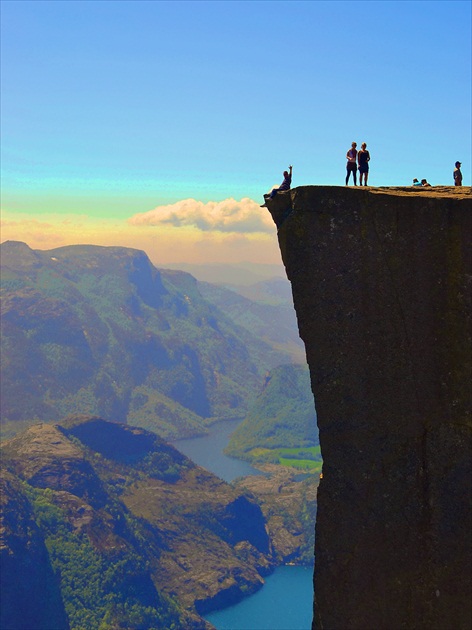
x=101, y=331
x=104, y=524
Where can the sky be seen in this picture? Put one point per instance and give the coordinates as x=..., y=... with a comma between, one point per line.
x=159, y=125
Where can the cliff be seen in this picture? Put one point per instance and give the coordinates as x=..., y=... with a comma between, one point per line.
x=381, y=287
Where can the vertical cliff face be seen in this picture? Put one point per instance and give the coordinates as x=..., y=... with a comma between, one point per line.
x=381, y=286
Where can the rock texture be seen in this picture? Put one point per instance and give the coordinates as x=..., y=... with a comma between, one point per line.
x=289, y=507
x=381, y=287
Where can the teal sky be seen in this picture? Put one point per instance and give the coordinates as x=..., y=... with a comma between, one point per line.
x=113, y=108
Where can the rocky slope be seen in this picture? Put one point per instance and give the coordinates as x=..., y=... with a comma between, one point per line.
x=289, y=507
x=105, y=525
x=381, y=287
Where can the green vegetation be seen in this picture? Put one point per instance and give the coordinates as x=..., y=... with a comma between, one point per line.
x=99, y=330
x=99, y=590
x=307, y=458
x=302, y=464
x=282, y=418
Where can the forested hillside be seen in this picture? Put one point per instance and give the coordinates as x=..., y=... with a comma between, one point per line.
x=99, y=330
x=281, y=422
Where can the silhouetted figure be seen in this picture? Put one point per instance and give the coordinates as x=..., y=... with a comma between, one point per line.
x=351, y=166
x=285, y=185
x=457, y=174
x=363, y=159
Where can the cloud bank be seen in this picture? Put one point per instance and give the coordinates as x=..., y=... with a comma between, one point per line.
x=229, y=215
x=163, y=244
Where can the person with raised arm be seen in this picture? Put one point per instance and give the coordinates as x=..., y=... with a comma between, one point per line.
x=285, y=185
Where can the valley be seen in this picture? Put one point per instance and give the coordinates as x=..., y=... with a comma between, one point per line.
x=106, y=359
x=101, y=331
x=133, y=532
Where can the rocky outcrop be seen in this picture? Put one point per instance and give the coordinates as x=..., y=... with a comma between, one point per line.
x=289, y=507
x=45, y=458
x=216, y=548
x=381, y=286
x=118, y=521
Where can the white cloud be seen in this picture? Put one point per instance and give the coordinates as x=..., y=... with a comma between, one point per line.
x=229, y=215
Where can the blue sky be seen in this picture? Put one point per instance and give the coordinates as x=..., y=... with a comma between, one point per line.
x=111, y=109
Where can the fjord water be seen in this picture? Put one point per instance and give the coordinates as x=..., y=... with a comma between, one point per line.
x=285, y=602
x=207, y=451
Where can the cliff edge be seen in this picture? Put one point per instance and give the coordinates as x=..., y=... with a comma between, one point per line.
x=381, y=286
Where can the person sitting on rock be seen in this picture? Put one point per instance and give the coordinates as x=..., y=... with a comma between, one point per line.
x=416, y=182
x=424, y=183
x=285, y=185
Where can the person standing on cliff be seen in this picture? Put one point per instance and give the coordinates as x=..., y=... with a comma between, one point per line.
x=285, y=185
x=363, y=158
x=351, y=166
x=457, y=174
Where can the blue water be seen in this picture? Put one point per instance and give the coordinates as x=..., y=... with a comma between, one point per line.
x=285, y=602
x=207, y=451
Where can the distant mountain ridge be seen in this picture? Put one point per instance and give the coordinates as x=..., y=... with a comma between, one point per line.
x=274, y=322
x=101, y=331
x=240, y=274
x=273, y=291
